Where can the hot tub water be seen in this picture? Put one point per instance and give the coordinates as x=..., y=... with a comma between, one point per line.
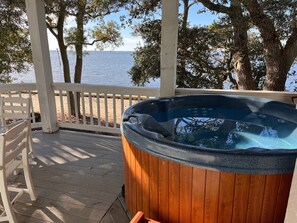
x=214, y=131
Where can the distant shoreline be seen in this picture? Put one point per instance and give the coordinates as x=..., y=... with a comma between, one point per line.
x=108, y=51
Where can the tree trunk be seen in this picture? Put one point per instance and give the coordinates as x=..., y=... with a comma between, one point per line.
x=63, y=52
x=277, y=62
x=183, y=43
x=79, y=45
x=241, y=61
x=275, y=81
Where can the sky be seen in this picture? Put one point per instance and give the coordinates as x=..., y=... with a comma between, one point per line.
x=130, y=41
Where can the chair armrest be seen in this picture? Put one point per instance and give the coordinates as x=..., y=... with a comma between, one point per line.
x=7, y=127
x=11, y=125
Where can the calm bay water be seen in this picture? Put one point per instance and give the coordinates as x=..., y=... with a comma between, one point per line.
x=107, y=68
x=103, y=68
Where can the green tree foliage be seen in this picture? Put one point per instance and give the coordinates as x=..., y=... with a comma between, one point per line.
x=203, y=65
x=89, y=28
x=277, y=24
x=15, y=48
x=253, y=44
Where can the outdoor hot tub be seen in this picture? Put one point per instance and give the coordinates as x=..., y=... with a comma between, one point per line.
x=209, y=158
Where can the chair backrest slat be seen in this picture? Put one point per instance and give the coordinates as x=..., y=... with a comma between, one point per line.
x=13, y=109
x=14, y=141
x=18, y=108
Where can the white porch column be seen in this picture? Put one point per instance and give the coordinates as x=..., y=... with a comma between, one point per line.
x=42, y=64
x=291, y=213
x=169, y=34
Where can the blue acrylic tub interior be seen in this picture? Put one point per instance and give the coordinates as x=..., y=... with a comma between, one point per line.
x=209, y=128
x=209, y=125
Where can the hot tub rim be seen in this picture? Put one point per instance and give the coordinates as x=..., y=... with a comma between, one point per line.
x=276, y=161
x=245, y=163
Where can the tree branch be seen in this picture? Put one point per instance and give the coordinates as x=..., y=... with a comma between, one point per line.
x=51, y=29
x=290, y=50
x=262, y=21
x=215, y=7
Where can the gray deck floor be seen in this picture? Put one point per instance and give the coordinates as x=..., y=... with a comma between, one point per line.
x=77, y=177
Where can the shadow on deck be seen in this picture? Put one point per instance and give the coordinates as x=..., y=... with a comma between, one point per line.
x=77, y=176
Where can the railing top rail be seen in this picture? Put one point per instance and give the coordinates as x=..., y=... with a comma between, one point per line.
x=17, y=87
x=275, y=95
x=107, y=89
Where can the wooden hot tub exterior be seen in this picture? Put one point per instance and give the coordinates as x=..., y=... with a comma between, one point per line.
x=173, y=192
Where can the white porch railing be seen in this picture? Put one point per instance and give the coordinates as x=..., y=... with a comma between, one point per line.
x=101, y=106
x=275, y=95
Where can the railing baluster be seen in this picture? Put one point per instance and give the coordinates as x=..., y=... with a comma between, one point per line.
x=62, y=106
x=106, y=110
x=69, y=107
x=20, y=95
x=98, y=109
x=122, y=104
x=32, y=108
x=91, y=108
x=76, y=107
x=114, y=111
x=83, y=107
x=130, y=100
x=111, y=102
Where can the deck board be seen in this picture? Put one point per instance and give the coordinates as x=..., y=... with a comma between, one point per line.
x=77, y=177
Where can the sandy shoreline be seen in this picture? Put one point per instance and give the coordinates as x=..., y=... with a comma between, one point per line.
x=62, y=108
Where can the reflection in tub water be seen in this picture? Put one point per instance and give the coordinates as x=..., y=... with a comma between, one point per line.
x=219, y=133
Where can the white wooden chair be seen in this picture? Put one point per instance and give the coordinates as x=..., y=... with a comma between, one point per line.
x=14, y=143
x=14, y=109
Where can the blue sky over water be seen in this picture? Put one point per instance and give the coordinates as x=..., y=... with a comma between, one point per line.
x=130, y=41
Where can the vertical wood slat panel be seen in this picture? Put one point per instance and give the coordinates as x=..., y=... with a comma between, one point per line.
x=133, y=180
x=126, y=151
x=210, y=192
x=185, y=193
x=282, y=197
x=257, y=188
x=129, y=180
x=241, y=195
x=154, y=192
x=174, y=178
x=198, y=195
x=226, y=197
x=145, y=182
x=138, y=180
x=163, y=190
x=270, y=197
x=91, y=108
x=98, y=109
x=211, y=196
